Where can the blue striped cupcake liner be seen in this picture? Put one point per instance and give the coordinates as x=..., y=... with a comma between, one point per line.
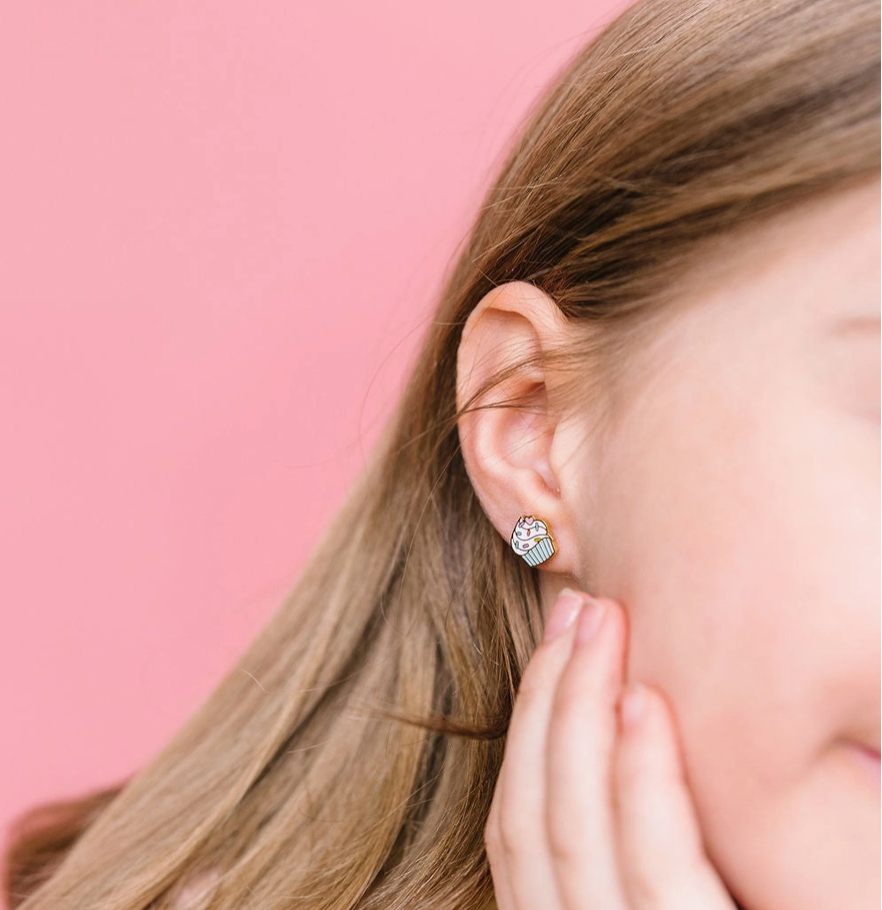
x=542, y=551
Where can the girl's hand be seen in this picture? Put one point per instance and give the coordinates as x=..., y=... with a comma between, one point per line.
x=591, y=813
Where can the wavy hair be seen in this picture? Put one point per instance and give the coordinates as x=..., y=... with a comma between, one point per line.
x=358, y=775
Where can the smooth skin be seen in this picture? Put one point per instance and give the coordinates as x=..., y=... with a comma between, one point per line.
x=731, y=518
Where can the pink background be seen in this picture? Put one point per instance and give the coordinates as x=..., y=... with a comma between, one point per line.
x=221, y=229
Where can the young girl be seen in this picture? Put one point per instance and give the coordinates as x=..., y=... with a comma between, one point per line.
x=653, y=377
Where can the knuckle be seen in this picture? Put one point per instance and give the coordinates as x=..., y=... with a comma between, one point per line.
x=645, y=891
x=566, y=842
x=492, y=840
x=654, y=878
x=492, y=822
x=563, y=851
x=515, y=835
x=649, y=886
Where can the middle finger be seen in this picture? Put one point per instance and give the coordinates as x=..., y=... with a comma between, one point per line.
x=581, y=742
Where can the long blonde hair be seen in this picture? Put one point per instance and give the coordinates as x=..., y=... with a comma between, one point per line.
x=349, y=757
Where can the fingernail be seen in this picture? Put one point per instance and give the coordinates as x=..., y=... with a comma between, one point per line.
x=633, y=702
x=590, y=622
x=565, y=610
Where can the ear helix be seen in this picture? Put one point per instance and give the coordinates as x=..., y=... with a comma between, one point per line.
x=531, y=539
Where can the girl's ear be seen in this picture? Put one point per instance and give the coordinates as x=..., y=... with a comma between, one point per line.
x=515, y=454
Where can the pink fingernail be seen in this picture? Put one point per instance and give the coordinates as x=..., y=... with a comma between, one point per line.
x=565, y=610
x=633, y=703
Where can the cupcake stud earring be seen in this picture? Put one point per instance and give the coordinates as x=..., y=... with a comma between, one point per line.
x=532, y=540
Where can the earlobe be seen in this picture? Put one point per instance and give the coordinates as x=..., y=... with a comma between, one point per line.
x=507, y=436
